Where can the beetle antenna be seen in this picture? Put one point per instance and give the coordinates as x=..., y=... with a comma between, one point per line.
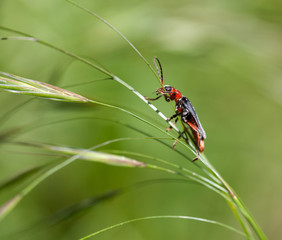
x=159, y=69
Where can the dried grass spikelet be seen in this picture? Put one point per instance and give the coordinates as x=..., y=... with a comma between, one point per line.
x=20, y=85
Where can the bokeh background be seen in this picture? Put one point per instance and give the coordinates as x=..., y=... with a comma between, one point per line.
x=224, y=55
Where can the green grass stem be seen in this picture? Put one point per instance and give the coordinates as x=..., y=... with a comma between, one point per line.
x=163, y=217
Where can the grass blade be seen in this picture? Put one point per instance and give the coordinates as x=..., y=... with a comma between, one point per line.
x=115, y=30
x=164, y=217
x=31, y=38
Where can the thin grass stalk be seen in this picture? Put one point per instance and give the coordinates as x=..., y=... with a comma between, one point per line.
x=118, y=32
x=164, y=217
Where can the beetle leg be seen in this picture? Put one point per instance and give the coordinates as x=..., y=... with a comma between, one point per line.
x=153, y=99
x=166, y=98
x=180, y=136
x=170, y=127
x=176, y=141
x=173, y=116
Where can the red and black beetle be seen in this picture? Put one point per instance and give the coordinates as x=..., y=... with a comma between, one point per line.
x=184, y=109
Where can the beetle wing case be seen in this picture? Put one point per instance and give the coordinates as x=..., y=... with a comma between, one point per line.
x=188, y=105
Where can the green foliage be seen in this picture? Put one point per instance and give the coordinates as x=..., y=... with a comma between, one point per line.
x=151, y=152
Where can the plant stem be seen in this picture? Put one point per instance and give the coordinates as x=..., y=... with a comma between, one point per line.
x=158, y=217
x=239, y=205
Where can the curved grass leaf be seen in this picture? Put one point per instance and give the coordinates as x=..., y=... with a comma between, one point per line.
x=117, y=31
x=164, y=217
x=28, y=37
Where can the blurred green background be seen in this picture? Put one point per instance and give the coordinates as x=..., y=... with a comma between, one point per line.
x=224, y=55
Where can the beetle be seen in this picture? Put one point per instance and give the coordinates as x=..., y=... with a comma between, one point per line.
x=184, y=109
